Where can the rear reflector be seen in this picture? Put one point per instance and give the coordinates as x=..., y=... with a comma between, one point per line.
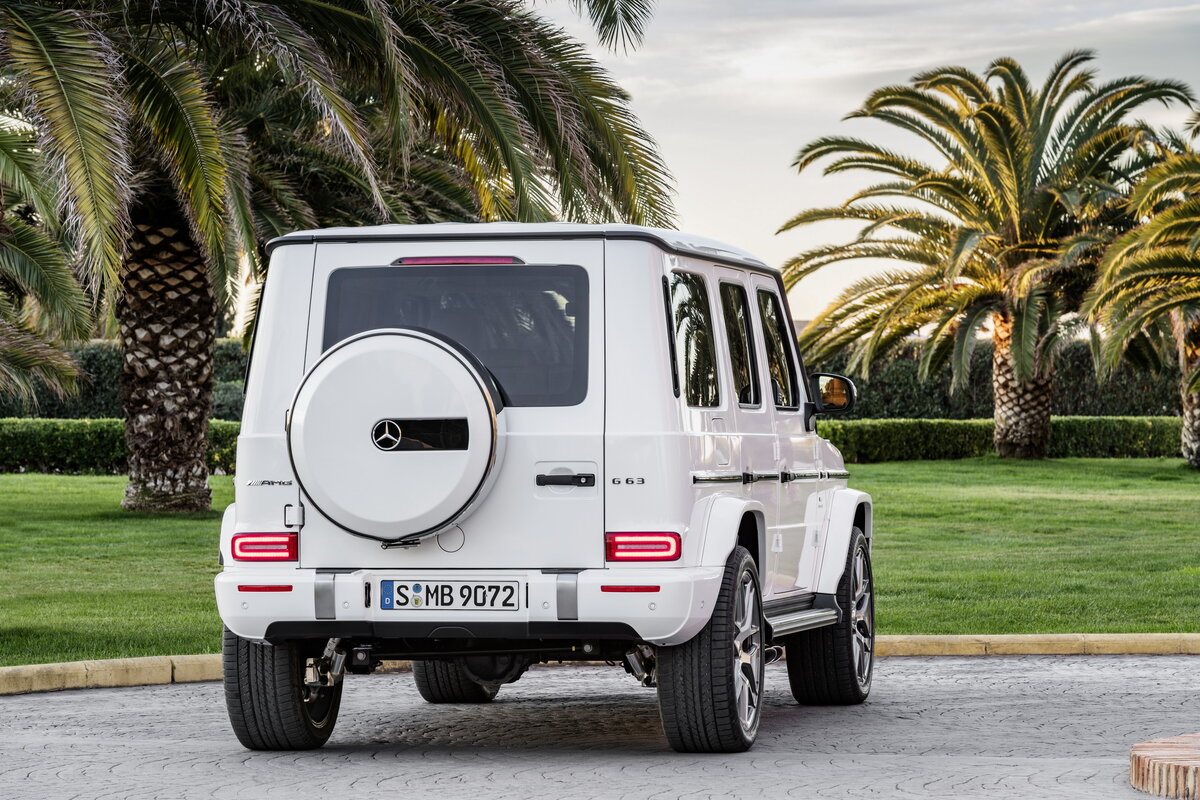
x=435, y=260
x=642, y=546
x=256, y=587
x=629, y=588
x=264, y=547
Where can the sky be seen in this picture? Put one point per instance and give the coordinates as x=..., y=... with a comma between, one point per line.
x=731, y=89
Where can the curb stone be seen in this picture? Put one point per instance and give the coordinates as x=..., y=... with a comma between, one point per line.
x=188, y=669
x=1041, y=644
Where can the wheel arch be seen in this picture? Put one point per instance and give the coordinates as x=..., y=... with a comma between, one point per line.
x=730, y=521
x=850, y=509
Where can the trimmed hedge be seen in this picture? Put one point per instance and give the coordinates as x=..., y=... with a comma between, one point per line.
x=895, y=392
x=1115, y=437
x=865, y=441
x=91, y=445
x=99, y=395
x=98, y=445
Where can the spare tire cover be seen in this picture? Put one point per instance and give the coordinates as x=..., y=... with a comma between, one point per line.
x=395, y=434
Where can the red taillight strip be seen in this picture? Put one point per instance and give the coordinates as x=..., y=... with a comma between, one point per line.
x=257, y=587
x=642, y=546
x=437, y=260
x=629, y=588
x=264, y=547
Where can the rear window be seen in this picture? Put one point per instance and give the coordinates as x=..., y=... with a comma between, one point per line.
x=527, y=324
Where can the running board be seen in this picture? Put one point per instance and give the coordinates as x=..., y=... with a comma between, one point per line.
x=802, y=621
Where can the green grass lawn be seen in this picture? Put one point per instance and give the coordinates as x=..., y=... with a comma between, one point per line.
x=80, y=578
x=975, y=546
x=1061, y=546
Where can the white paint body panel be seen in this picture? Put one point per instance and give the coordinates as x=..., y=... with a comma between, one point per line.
x=645, y=446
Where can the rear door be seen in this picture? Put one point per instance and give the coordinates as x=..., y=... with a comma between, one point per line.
x=753, y=426
x=798, y=515
x=537, y=325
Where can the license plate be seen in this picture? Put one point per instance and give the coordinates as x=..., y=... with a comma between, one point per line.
x=450, y=595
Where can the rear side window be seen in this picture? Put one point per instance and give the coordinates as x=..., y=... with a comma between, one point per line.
x=779, y=355
x=527, y=324
x=695, y=354
x=736, y=310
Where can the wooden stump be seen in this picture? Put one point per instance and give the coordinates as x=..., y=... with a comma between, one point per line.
x=1167, y=767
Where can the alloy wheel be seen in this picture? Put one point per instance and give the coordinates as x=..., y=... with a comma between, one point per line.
x=748, y=653
x=862, y=618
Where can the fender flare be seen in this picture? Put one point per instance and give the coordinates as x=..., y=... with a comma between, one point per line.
x=720, y=517
x=841, y=521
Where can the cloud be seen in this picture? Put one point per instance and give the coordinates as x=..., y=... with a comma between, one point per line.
x=732, y=88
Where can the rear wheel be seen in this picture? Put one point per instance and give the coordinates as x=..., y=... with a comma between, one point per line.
x=832, y=666
x=710, y=688
x=274, y=695
x=448, y=682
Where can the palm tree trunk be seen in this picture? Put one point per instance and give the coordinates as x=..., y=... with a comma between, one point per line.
x=167, y=320
x=1190, y=444
x=1022, y=408
x=1187, y=336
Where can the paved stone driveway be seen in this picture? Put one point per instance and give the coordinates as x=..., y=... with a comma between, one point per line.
x=996, y=727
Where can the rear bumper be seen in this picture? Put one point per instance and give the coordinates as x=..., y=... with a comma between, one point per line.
x=556, y=605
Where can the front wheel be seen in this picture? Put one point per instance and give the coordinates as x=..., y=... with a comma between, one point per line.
x=275, y=695
x=832, y=666
x=710, y=688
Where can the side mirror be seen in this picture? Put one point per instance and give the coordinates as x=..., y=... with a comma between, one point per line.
x=833, y=394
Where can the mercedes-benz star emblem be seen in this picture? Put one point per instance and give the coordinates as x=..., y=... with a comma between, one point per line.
x=386, y=434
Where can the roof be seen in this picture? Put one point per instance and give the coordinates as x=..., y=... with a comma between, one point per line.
x=671, y=241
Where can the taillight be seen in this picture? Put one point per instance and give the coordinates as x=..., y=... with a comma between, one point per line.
x=437, y=260
x=623, y=588
x=265, y=587
x=265, y=547
x=642, y=546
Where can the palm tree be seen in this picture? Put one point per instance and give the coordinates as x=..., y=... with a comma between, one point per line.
x=517, y=109
x=1149, y=282
x=41, y=302
x=979, y=233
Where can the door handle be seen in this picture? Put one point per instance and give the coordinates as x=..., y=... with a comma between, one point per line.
x=580, y=479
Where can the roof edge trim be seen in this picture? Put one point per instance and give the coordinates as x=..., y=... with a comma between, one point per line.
x=675, y=248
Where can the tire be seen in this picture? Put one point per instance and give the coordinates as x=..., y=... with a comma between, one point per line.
x=447, y=682
x=266, y=695
x=710, y=688
x=832, y=666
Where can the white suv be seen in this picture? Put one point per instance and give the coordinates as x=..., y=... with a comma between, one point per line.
x=481, y=447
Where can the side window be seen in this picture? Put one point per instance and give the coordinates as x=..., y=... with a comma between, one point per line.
x=736, y=310
x=695, y=355
x=779, y=354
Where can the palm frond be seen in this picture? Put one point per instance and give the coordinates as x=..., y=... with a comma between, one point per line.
x=30, y=260
x=28, y=361
x=617, y=22
x=67, y=69
x=21, y=171
x=166, y=89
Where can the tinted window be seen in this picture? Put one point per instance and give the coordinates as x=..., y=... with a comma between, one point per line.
x=695, y=354
x=527, y=324
x=736, y=310
x=779, y=354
